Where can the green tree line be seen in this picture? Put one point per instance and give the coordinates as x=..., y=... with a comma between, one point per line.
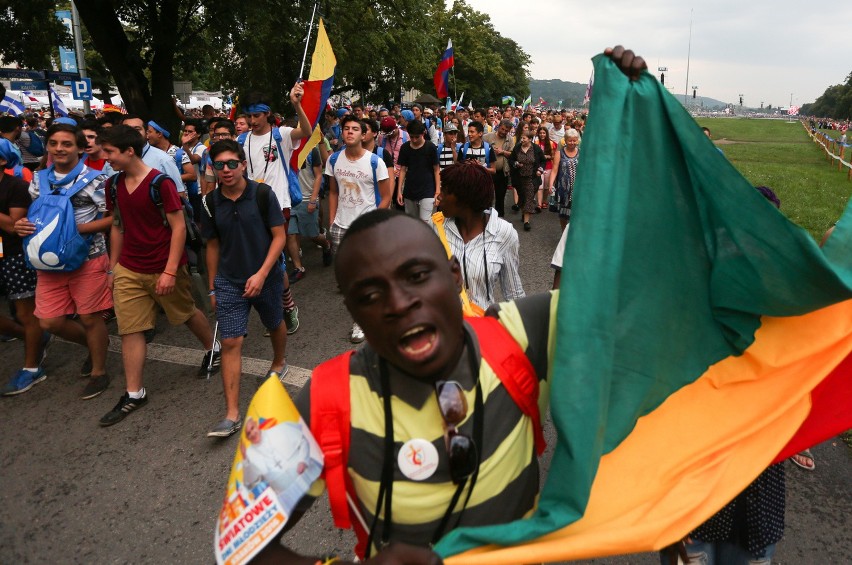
x=381, y=46
x=835, y=102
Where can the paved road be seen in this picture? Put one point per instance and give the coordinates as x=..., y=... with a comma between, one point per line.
x=148, y=490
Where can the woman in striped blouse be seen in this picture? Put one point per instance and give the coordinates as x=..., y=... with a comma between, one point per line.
x=485, y=245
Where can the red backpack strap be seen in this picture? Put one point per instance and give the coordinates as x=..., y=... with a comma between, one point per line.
x=330, y=411
x=513, y=368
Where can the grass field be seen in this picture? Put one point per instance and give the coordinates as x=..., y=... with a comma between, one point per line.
x=780, y=154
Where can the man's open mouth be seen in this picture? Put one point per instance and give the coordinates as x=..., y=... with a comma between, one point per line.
x=419, y=342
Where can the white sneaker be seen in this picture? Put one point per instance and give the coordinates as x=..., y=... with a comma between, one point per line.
x=357, y=335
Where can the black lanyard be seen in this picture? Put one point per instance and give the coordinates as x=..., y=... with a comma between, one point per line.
x=251, y=165
x=386, y=485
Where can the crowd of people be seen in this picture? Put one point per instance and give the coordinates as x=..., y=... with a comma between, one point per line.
x=136, y=199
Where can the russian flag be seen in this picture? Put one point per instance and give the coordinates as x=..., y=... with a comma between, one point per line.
x=317, y=90
x=442, y=74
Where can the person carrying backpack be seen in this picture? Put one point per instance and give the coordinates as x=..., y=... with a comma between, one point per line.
x=358, y=182
x=64, y=242
x=244, y=228
x=147, y=266
x=268, y=150
x=463, y=396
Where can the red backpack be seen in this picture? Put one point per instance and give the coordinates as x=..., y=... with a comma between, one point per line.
x=331, y=414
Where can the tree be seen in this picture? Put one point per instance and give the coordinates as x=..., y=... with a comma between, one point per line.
x=31, y=37
x=835, y=102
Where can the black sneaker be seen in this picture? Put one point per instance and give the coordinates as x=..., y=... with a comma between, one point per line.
x=125, y=406
x=297, y=274
x=206, y=362
x=95, y=386
x=86, y=369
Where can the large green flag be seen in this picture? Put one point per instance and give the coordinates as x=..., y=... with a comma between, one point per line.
x=698, y=329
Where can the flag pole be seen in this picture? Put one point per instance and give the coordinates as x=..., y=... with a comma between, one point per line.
x=308, y=40
x=453, y=68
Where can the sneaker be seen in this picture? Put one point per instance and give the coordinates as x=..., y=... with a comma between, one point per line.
x=226, y=428
x=277, y=374
x=125, y=406
x=527, y=226
x=108, y=315
x=86, y=369
x=22, y=381
x=212, y=361
x=5, y=338
x=291, y=318
x=326, y=256
x=95, y=386
x=515, y=207
x=297, y=274
x=357, y=335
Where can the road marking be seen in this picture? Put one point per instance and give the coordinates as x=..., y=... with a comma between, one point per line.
x=296, y=376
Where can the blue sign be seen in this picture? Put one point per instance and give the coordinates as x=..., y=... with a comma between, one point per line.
x=82, y=89
x=58, y=76
x=67, y=57
x=21, y=73
x=28, y=85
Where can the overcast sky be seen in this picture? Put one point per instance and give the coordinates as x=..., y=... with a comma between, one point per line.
x=764, y=50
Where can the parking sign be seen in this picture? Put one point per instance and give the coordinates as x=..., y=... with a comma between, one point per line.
x=81, y=89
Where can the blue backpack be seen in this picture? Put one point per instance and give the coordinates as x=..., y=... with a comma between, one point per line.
x=56, y=244
x=36, y=147
x=374, y=163
x=484, y=145
x=191, y=187
x=292, y=176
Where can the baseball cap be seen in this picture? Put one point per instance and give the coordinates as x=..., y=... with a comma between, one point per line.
x=388, y=123
x=450, y=127
x=428, y=111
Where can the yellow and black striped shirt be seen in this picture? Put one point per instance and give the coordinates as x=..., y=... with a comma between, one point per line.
x=508, y=482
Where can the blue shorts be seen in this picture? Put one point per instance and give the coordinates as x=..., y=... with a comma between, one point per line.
x=232, y=310
x=303, y=222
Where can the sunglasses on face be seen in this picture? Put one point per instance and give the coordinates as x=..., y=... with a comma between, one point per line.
x=231, y=164
x=461, y=450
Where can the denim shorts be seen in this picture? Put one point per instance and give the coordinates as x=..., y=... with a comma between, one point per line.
x=232, y=309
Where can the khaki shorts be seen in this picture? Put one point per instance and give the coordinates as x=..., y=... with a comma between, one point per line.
x=136, y=300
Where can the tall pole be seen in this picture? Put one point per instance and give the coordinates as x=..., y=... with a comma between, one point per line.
x=455, y=91
x=78, y=47
x=688, y=54
x=308, y=40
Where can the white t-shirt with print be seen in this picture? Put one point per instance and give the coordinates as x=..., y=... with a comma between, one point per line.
x=356, y=192
x=266, y=166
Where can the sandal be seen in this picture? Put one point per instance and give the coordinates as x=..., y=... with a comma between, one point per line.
x=804, y=459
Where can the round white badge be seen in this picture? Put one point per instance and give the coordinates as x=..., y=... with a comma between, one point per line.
x=418, y=459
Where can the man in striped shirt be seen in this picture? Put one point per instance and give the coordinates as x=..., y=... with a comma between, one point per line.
x=397, y=282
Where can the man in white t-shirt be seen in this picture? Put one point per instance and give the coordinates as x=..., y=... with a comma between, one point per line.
x=358, y=183
x=268, y=150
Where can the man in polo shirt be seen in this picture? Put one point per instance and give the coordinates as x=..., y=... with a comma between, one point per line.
x=244, y=269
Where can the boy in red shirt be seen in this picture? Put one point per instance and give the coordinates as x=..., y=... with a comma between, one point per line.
x=147, y=264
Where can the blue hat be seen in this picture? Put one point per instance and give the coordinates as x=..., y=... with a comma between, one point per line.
x=408, y=115
x=341, y=112
x=7, y=153
x=158, y=128
x=66, y=121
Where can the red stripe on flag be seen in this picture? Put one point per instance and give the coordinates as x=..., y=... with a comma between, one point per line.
x=831, y=411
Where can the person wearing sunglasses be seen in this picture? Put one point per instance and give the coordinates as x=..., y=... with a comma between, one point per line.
x=244, y=269
x=436, y=438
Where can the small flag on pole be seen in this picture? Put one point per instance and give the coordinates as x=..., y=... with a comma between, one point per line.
x=509, y=100
x=442, y=74
x=58, y=104
x=11, y=106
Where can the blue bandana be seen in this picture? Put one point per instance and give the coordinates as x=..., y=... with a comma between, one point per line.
x=7, y=153
x=256, y=109
x=159, y=128
x=66, y=121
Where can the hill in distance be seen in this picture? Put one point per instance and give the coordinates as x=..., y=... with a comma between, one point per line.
x=572, y=93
